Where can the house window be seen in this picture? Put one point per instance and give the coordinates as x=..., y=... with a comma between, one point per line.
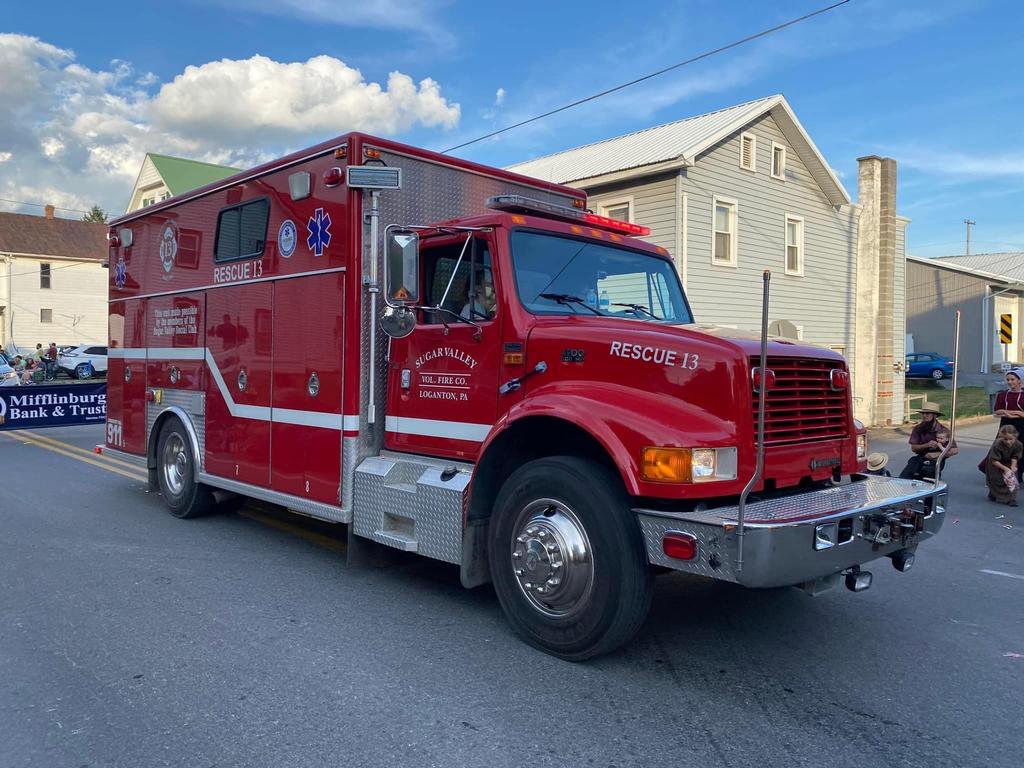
x=620, y=210
x=44, y=275
x=723, y=246
x=778, y=161
x=794, y=245
x=748, y=152
x=242, y=231
x=45, y=315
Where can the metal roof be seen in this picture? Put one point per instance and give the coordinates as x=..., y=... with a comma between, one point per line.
x=1008, y=266
x=678, y=144
x=181, y=175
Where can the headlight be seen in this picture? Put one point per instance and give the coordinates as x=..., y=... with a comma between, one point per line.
x=862, y=447
x=688, y=465
x=8, y=375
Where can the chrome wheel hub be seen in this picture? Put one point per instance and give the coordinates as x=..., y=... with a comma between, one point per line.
x=551, y=558
x=175, y=464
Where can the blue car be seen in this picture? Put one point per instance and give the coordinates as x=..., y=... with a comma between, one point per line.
x=928, y=365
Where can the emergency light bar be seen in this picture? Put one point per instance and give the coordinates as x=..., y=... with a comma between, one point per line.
x=374, y=177
x=542, y=208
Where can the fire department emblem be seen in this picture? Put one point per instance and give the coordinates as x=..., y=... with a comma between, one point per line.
x=287, y=238
x=120, y=272
x=319, y=228
x=169, y=245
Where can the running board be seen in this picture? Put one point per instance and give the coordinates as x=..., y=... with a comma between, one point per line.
x=413, y=504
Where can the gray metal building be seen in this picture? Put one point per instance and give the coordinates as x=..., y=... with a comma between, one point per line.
x=740, y=190
x=982, y=287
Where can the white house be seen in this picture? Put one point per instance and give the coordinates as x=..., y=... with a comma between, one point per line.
x=162, y=176
x=53, y=285
x=743, y=189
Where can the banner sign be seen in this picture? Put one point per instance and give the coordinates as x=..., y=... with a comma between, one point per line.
x=33, y=406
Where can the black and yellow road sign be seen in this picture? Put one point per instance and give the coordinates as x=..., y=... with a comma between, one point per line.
x=1006, y=329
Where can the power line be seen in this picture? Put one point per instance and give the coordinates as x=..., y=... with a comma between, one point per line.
x=53, y=269
x=40, y=205
x=705, y=55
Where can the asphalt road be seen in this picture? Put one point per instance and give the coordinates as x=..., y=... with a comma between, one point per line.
x=129, y=638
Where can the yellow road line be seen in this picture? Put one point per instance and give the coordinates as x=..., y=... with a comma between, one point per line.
x=22, y=439
x=36, y=437
x=312, y=537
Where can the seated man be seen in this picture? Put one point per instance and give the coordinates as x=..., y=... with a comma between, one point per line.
x=927, y=440
x=481, y=307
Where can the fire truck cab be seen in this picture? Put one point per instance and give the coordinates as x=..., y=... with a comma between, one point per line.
x=469, y=365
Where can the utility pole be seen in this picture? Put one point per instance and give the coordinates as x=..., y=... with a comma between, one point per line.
x=969, y=223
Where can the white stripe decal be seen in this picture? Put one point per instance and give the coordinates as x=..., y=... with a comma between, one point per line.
x=319, y=419
x=455, y=430
x=308, y=418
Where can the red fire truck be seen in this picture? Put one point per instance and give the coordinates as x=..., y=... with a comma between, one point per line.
x=468, y=364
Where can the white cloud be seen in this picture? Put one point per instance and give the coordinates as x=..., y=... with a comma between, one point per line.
x=499, y=97
x=228, y=100
x=962, y=164
x=76, y=137
x=420, y=16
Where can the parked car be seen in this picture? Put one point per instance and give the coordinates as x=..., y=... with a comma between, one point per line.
x=83, y=361
x=8, y=376
x=928, y=365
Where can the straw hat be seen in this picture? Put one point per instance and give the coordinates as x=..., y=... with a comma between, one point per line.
x=929, y=407
x=877, y=461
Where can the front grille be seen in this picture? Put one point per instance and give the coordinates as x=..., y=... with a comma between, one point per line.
x=802, y=406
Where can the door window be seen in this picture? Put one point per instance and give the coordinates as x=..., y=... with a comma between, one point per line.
x=463, y=286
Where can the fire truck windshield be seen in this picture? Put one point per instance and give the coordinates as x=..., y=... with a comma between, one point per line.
x=559, y=275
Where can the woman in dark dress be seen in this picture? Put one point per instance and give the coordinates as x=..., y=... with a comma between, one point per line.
x=1010, y=407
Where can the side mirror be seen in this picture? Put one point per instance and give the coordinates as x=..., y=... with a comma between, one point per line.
x=401, y=266
x=398, y=322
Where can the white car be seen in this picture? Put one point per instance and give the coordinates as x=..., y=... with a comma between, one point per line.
x=83, y=361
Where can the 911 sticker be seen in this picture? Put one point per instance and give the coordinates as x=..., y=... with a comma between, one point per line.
x=657, y=355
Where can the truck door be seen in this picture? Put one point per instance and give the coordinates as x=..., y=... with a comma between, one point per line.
x=239, y=337
x=306, y=430
x=443, y=377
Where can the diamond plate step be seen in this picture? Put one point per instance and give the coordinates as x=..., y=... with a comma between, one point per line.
x=396, y=540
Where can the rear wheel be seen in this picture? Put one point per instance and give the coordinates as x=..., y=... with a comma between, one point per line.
x=175, y=470
x=938, y=374
x=567, y=558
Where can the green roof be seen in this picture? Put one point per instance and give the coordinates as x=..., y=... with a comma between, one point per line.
x=182, y=175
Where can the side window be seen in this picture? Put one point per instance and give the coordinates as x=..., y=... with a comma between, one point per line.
x=471, y=293
x=242, y=231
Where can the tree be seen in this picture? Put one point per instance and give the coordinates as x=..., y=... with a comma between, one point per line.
x=96, y=215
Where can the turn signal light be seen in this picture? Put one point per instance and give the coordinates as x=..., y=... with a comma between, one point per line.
x=682, y=546
x=373, y=154
x=666, y=465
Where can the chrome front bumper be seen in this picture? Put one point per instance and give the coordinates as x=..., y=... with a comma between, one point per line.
x=784, y=541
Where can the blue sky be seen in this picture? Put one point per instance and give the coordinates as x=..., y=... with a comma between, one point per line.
x=928, y=82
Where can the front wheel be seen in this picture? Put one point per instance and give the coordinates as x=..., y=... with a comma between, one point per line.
x=83, y=371
x=938, y=374
x=567, y=558
x=175, y=471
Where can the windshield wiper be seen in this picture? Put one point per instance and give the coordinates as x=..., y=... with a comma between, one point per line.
x=567, y=299
x=637, y=308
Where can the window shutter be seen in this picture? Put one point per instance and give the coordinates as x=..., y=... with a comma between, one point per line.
x=748, y=147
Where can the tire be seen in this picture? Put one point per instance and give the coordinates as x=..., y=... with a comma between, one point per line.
x=83, y=371
x=567, y=521
x=175, y=471
x=938, y=374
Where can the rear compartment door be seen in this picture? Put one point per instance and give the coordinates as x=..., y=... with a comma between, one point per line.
x=126, y=377
x=307, y=420
x=239, y=337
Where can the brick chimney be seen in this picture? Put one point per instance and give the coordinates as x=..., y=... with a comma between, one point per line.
x=876, y=272
x=49, y=211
